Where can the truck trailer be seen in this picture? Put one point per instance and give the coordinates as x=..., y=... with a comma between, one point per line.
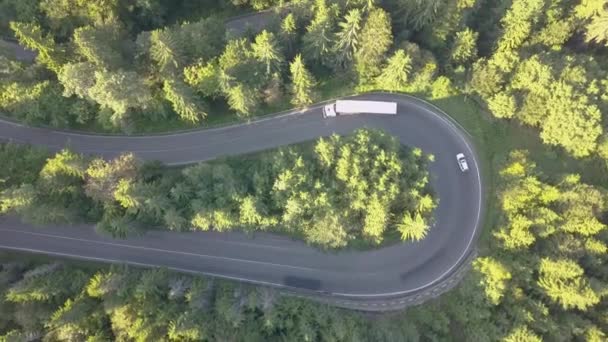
x=346, y=107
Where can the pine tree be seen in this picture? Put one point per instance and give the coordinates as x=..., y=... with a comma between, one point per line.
x=266, y=49
x=395, y=75
x=100, y=45
x=204, y=78
x=376, y=38
x=597, y=30
x=522, y=334
x=464, y=47
x=166, y=49
x=30, y=35
x=242, y=99
x=563, y=281
x=319, y=36
x=518, y=22
x=185, y=103
x=288, y=33
x=413, y=227
x=495, y=278
x=302, y=83
x=347, y=38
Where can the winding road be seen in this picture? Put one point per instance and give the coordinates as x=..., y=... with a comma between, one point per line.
x=385, y=278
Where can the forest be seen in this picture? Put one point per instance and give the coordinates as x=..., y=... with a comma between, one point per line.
x=357, y=189
x=55, y=302
x=545, y=280
x=528, y=78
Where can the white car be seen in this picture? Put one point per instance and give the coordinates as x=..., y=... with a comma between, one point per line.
x=462, y=162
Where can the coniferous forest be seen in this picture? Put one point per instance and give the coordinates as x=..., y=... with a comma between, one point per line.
x=527, y=78
x=358, y=189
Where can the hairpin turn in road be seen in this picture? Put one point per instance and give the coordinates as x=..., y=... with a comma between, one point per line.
x=370, y=280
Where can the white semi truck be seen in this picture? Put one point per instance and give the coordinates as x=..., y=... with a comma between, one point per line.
x=345, y=107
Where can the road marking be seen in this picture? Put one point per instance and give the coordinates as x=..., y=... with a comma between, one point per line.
x=135, y=263
x=443, y=117
x=159, y=250
x=479, y=207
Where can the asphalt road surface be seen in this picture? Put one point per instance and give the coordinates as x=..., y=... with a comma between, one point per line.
x=397, y=271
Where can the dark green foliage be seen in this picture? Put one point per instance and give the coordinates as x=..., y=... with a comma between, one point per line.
x=320, y=196
x=56, y=195
x=101, y=45
x=376, y=39
x=542, y=267
x=539, y=63
x=119, y=303
x=20, y=164
x=331, y=193
x=319, y=36
x=43, y=103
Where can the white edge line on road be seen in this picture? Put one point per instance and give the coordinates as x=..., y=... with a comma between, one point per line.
x=443, y=117
x=477, y=222
x=301, y=268
x=135, y=263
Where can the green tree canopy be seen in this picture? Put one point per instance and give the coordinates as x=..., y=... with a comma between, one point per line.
x=266, y=49
x=347, y=38
x=30, y=35
x=395, y=75
x=319, y=36
x=302, y=83
x=464, y=46
x=564, y=282
x=376, y=38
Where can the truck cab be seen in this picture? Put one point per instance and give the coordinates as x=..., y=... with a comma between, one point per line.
x=329, y=110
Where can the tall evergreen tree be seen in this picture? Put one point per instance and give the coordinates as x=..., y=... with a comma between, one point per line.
x=597, y=30
x=376, y=38
x=395, y=75
x=319, y=36
x=185, y=103
x=464, y=47
x=30, y=35
x=101, y=45
x=166, y=49
x=302, y=83
x=347, y=38
x=266, y=49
